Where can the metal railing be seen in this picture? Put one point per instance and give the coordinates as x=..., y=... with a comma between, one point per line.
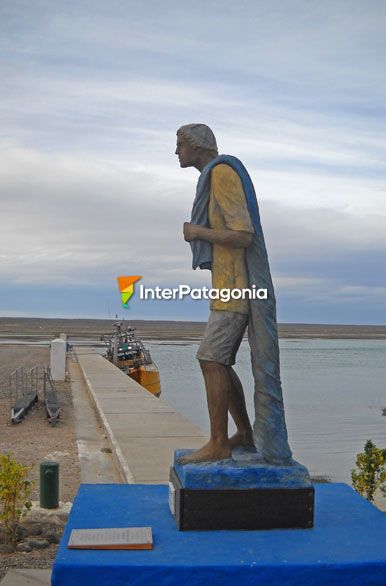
x=23, y=391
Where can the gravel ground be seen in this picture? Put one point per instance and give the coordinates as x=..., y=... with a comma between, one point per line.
x=38, y=559
x=34, y=440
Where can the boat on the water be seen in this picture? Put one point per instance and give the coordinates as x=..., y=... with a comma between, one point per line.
x=125, y=350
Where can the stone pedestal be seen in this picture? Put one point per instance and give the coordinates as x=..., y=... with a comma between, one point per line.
x=58, y=359
x=240, y=493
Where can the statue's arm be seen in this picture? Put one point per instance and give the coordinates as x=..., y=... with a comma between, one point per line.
x=229, y=198
x=231, y=238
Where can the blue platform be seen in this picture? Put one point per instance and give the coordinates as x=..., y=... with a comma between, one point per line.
x=347, y=546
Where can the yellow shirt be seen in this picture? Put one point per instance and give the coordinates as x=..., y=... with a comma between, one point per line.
x=228, y=211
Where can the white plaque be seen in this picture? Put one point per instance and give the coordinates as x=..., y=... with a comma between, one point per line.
x=111, y=538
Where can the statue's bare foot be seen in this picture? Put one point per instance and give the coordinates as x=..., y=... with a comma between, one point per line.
x=244, y=440
x=211, y=452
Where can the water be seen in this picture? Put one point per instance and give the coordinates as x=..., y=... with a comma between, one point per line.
x=334, y=393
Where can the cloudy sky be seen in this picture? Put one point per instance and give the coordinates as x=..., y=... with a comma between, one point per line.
x=91, y=95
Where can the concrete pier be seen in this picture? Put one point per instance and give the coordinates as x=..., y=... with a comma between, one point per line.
x=143, y=431
x=94, y=451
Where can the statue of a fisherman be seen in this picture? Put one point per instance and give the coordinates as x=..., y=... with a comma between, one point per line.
x=226, y=237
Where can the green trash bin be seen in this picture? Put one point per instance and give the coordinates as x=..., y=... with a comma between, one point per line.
x=49, y=485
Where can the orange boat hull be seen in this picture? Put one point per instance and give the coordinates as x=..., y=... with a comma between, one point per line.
x=147, y=376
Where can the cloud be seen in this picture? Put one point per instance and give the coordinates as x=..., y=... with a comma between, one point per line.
x=81, y=221
x=92, y=95
x=305, y=46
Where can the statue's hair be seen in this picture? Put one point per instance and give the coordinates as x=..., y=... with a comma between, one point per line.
x=200, y=136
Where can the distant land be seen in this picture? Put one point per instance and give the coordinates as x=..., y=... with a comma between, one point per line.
x=36, y=328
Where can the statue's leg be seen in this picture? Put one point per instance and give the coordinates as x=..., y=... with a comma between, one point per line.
x=238, y=410
x=218, y=387
x=222, y=337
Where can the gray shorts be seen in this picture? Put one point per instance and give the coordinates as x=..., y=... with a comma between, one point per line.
x=222, y=337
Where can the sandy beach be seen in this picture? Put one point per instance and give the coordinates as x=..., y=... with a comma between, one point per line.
x=34, y=440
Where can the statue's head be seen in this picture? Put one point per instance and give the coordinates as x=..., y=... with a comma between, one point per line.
x=195, y=142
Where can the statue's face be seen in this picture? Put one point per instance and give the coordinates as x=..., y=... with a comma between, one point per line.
x=186, y=153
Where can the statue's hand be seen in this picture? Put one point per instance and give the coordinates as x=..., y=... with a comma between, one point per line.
x=190, y=231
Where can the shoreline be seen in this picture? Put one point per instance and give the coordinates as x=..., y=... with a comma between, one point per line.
x=38, y=329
